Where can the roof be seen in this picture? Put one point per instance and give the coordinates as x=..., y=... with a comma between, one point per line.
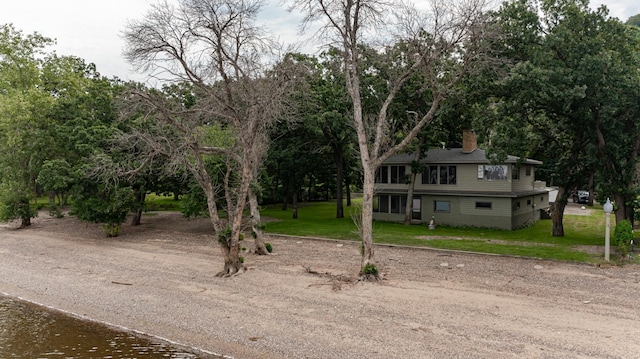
x=454, y=156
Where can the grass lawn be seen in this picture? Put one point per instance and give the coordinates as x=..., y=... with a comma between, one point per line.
x=318, y=220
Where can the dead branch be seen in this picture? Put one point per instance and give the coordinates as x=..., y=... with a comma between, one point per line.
x=335, y=280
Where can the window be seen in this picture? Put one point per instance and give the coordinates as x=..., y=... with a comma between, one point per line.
x=385, y=203
x=433, y=174
x=397, y=174
x=444, y=175
x=494, y=172
x=516, y=206
x=441, y=206
x=483, y=205
x=440, y=175
x=515, y=172
x=398, y=204
x=447, y=174
x=528, y=171
x=382, y=175
x=452, y=174
x=528, y=202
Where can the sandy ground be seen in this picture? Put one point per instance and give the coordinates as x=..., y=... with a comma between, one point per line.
x=159, y=279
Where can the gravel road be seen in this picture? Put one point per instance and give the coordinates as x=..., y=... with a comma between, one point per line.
x=159, y=279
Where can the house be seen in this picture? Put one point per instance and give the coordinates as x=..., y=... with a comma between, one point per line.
x=460, y=187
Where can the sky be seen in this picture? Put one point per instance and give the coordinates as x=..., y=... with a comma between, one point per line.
x=92, y=29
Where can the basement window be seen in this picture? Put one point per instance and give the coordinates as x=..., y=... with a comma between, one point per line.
x=442, y=206
x=483, y=205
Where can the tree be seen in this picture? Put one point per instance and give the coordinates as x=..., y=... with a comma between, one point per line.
x=441, y=49
x=214, y=46
x=570, y=96
x=79, y=121
x=634, y=20
x=24, y=135
x=102, y=203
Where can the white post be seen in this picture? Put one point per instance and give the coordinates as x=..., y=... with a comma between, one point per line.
x=608, y=208
x=607, y=238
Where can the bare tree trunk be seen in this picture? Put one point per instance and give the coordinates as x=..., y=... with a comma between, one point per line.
x=368, y=267
x=310, y=189
x=347, y=186
x=339, y=179
x=621, y=207
x=25, y=222
x=557, y=213
x=408, y=214
x=256, y=225
x=591, y=194
x=140, y=195
x=294, y=205
x=52, y=199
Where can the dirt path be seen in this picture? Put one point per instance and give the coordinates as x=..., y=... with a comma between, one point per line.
x=159, y=279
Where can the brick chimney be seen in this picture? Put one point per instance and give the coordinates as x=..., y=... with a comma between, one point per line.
x=469, y=141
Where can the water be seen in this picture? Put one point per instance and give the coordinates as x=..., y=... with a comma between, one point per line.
x=29, y=331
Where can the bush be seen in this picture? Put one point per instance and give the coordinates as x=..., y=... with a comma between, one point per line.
x=269, y=247
x=108, y=206
x=622, y=237
x=370, y=269
x=15, y=204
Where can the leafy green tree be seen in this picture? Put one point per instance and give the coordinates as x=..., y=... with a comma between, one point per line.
x=57, y=178
x=303, y=151
x=82, y=120
x=634, y=20
x=24, y=135
x=15, y=203
x=566, y=97
x=99, y=203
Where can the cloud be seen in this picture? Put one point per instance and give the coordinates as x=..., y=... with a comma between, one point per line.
x=92, y=29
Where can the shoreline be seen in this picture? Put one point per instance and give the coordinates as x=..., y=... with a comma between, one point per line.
x=202, y=353
x=431, y=304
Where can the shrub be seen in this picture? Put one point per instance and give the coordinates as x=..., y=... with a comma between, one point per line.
x=622, y=236
x=370, y=269
x=15, y=204
x=99, y=204
x=54, y=211
x=111, y=229
x=269, y=247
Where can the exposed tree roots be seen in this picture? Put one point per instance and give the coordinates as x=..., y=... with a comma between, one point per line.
x=370, y=277
x=335, y=280
x=231, y=272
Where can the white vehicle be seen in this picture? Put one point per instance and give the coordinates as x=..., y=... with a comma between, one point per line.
x=581, y=197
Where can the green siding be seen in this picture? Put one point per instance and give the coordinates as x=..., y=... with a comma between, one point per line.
x=504, y=212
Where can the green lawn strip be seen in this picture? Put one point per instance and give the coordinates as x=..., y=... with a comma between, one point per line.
x=318, y=220
x=154, y=202
x=535, y=251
